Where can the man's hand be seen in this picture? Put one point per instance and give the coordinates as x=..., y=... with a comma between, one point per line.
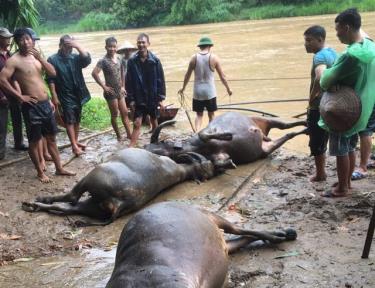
x=334, y=88
x=71, y=43
x=229, y=92
x=162, y=108
x=123, y=91
x=109, y=90
x=29, y=99
x=36, y=54
x=181, y=91
x=132, y=106
x=52, y=106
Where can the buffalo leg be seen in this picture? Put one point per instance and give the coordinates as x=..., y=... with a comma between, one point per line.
x=71, y=197
x=87, y=208
x=206, y=135
x=273, y=237
x=266, y=124
x=270, y=146
x=234, y=244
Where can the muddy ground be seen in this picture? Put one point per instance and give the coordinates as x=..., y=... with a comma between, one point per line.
x=42, y=250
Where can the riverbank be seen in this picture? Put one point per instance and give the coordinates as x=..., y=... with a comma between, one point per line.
x=40, y=249
x=248, y=10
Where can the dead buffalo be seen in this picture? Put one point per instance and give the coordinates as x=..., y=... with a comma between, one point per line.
x=124, y=184
x=175, y=245
x=232, y=135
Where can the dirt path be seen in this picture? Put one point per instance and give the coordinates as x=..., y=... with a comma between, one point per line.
x=48, y=252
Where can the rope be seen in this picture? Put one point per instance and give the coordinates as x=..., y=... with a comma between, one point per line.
x=263, y=102
x=236, y=80
x=185, y=107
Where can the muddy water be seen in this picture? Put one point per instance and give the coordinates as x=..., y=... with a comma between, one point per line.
x=263, y=60
x=269, y=50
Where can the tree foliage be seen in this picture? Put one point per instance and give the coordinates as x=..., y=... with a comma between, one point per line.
x=16, y=13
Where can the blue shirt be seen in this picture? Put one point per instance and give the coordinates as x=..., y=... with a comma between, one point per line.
x=325, y=56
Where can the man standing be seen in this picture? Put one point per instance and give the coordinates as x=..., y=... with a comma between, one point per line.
x=145, y=86
x=204, y=65
x=323, y=58
x=68, y=87
x=5, y=36
x=26, y=67
x=354, y=68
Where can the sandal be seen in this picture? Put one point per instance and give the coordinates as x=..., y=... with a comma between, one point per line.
x=358, y=175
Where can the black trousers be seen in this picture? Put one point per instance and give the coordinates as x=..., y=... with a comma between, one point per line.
x=16, y=116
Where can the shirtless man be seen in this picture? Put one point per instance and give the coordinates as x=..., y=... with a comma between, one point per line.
x=26, y=67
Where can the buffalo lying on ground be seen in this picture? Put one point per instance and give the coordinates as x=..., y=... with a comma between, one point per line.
x=232, y=135
x=124, y=184
x=175, y=245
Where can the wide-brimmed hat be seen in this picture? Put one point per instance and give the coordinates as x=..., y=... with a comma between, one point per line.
x=4, y=32
x=126, y=46
x=341, y=109
x=33, y=34
x=205, y=41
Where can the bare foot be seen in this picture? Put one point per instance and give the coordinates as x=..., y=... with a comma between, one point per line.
x=82, y=146
x=335, y=192
x=47, y=157
x=120, y=138
x=63, y=172
x=317, y=178
x=44, y=178
x=337, y=183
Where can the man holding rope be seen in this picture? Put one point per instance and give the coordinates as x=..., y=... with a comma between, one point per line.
x=204, y=64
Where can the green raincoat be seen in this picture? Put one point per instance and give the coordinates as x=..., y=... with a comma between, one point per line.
x=354, y=68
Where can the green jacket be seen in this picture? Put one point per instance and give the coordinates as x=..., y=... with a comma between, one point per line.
x=354, y=68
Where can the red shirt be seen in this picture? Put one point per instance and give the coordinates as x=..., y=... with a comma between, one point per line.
x=3, y=58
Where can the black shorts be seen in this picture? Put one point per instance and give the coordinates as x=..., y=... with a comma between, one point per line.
x=199, y=105
x=39, y=120
x=72, y=115
x=318, y=136
x=142, y=111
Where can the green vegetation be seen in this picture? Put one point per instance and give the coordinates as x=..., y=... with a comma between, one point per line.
x=18, y=13
x=94, y=15
x=96, y=115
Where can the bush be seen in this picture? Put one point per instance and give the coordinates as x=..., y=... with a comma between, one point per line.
x=96, y=115
x=94, y=21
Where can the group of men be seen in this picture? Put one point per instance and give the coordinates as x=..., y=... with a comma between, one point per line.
x=354, y=68
x=139, y=79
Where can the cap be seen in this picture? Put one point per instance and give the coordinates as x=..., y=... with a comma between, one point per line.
x=34, y=36
x=205, y=41
x=4, y=32
x=126, y=46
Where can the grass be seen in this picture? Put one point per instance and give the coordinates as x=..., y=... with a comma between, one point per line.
x=315, y=8
x=96, y=115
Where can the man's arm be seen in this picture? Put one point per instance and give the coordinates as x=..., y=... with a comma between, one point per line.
x=85, y=58
x=343, y=68
x=6, y=83
x=95, y=75
x=55, y=100
x=161, y=84
x=316, y=89
x=50, y=70
x=223, y=79
x=188, y=73
x=129, y=83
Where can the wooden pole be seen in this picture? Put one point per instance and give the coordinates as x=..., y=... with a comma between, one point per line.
x=370, y=236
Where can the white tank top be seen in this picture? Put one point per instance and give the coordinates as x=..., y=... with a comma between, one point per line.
x=204, y=82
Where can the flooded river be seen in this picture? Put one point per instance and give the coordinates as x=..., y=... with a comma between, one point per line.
x=263, y=60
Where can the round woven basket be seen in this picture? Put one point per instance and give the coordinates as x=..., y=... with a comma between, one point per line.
x=341, y=109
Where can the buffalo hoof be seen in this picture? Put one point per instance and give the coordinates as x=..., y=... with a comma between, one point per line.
x=30, y=207
x=290, y=234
